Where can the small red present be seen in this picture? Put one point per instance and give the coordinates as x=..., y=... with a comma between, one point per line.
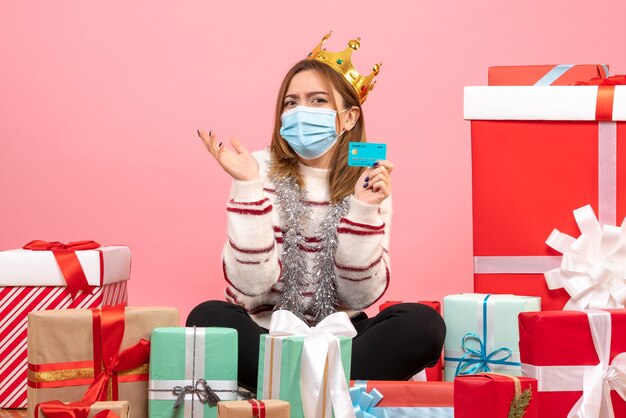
x=493, y=395
x=434, y=373
x=544, y=75
x=567, y=351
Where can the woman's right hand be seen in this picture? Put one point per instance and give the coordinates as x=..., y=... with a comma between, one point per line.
x=240, y=164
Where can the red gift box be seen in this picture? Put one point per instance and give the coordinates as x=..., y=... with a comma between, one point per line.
x=398, y=397
x=38, y=279
x=544, y=75
x=538, y=153
x=489, y=395
x=434, y=373
x=559, y=349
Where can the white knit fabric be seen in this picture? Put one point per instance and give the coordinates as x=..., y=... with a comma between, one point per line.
x=253, y=249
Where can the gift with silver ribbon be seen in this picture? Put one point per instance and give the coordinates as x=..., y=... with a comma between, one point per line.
x=191, y=369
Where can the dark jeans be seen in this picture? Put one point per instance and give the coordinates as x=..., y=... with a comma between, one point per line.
x=394, y=345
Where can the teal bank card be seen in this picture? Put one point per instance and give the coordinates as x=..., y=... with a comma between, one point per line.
x=365, y=154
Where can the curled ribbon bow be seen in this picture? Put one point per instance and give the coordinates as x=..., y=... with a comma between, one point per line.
x=201, y=389
x=321, y=362
x=477, y=361
x=593, y=267
x=65, y=256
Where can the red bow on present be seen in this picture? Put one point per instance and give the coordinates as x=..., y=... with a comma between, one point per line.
x=606, y=93
x=614, y=80
x=65, y=255
x=108, y=331
x=80, y=409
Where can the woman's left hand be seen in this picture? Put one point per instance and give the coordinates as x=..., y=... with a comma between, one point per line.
x=374, y=185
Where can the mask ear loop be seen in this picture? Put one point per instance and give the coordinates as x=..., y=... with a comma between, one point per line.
x=341, y=111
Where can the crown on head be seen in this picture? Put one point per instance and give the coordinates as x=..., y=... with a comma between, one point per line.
x=341, y=62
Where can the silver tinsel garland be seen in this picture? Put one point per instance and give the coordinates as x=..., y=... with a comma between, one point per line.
x=295, y=275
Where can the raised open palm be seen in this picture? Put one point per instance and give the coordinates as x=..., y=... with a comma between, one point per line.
x=238, y=162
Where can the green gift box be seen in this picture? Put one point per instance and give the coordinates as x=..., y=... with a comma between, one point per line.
x=280, y=364
x=483, y=334
x=188, y=367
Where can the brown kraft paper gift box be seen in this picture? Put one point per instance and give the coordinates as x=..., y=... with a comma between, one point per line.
x=61, y=355
x=245, y=409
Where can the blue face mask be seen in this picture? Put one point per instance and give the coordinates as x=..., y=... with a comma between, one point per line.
x=309, y=131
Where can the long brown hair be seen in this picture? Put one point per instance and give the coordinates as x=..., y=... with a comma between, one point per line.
x=342, y=178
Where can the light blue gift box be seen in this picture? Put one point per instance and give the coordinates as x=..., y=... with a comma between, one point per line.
x=483, y=333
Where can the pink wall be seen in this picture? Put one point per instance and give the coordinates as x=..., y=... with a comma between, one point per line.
x=100, y=101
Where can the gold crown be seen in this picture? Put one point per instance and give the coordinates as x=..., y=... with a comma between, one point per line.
x=341, y=62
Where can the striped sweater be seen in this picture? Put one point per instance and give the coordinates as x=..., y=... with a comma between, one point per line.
x=252, y=253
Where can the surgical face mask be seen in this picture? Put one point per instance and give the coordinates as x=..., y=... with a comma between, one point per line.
x=310, y=131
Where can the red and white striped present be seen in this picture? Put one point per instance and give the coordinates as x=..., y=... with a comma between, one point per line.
x=33, y=281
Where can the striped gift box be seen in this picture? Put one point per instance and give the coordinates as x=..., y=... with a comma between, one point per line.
x=32, y=281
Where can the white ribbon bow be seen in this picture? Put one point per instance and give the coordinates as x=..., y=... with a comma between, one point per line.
x=321, y=356
x=598, y=381
x=593, y=267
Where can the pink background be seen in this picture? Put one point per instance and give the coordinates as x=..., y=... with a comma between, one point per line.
x=100, y=101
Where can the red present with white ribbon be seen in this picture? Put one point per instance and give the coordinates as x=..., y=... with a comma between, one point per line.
x=578, y=359
x=539, y=152
x=35, y=280
x=544, y=75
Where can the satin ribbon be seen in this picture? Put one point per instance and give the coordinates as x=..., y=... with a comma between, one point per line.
x=193, y=391
x=65, y=256
x=479, y=360
x=596, y=382
x=606, y=94
x=80, y=409
x=593, y=267
x=108, y=331
x=364, y=403
x=321, y=367
x=258, y=408
x=600, y=379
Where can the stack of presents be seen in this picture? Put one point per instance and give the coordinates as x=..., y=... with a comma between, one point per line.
x=543, y=336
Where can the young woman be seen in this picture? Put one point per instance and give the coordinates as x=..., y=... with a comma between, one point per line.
x=310, y=234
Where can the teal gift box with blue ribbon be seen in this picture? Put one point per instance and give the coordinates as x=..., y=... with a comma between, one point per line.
x=190, y=370
x=483, y=334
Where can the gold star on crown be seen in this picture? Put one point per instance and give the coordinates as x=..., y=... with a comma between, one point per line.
x=341, y=62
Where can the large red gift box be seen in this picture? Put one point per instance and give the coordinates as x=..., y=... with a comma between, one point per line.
x=544, y=75
x=33, y=280
x=538, y=153
x=489, y=395
x=566, y=350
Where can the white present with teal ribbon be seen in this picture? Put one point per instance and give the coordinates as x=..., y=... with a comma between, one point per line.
x=483, y=333
x=307, y=367
x=189, y=367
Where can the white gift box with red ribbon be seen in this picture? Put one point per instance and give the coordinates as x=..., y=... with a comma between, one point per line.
x=33, y=281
